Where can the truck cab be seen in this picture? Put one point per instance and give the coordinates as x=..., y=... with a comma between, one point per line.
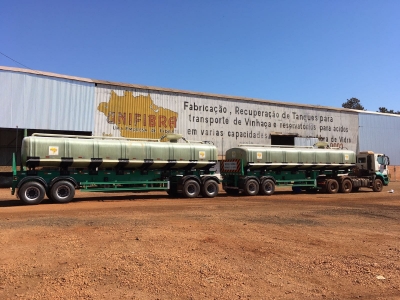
x=369, y=162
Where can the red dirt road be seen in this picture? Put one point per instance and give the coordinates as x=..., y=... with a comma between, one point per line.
x=149, y=246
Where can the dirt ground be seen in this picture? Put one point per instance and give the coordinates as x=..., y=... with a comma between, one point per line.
x=149, y=246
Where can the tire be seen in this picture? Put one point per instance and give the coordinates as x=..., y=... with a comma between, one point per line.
x=346, y=186
x=355, y=189
x=251, y=187
x=62, y=191
x=332, y=186
x=267, y=187
x=32, y=192
x=377, y=186
x=191, y=189
x=210, y=189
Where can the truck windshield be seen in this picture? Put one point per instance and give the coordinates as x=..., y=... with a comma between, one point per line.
x=383, y=160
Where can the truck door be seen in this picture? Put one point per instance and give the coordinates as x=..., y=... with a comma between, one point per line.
x=369, y=163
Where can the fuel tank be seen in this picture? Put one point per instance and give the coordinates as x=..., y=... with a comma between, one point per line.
x=98, y=152
x=255, y=157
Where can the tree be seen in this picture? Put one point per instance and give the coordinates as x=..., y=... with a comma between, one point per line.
x=385, y=110
x=353, y=103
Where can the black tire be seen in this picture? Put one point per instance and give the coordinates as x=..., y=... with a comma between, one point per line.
x=346, y=186
x=210, y=189
x=251, y=187
x=62, y=191
x=267, y=187
x=332, y=186
x=32, y=192
x=191, y=189
x=355, y=189
x=377, y=186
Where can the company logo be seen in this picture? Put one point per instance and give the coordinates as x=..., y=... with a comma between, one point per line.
x=202, y=154
x=138, y=117
x=53, y=150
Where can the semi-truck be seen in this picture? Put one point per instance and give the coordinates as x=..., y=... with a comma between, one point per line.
x=258, y=169
x=57, y=165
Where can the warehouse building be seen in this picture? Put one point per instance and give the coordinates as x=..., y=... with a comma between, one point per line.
x=36, y=101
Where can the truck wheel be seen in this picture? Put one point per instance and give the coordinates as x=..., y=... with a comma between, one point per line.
x=267, y=187
x=32, y=192
x=346, y=186
x=332, y=186
x=377, y=185
x=62, y=191
x=210, y=189
x=355, y=189
x=251, y=187
x=191, y=189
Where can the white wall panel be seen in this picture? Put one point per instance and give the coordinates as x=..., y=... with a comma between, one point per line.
x=380, y=133
x=126, y=111
x=41, y=102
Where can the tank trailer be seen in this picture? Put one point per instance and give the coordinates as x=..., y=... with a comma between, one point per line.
x=57, y=165
x=257, y=169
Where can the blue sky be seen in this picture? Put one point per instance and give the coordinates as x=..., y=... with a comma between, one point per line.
x=318, y=52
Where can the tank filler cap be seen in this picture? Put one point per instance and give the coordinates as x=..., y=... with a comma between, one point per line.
x=321, y=145
x=173, y=137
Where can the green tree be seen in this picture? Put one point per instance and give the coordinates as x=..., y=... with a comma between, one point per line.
x=353, y=103
x=387, y=111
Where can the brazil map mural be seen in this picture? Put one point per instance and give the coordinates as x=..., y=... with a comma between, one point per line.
x=138, y=116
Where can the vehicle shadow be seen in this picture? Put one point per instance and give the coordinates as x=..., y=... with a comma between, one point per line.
x=106, y=197
x=80, y=198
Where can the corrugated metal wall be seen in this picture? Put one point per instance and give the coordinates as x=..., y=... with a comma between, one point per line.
x=41, y=102
x=380, y=133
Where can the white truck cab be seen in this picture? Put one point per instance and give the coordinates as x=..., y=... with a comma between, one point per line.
x=371, y=162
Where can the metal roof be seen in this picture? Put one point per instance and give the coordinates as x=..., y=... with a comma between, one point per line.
x=48, y=74
x=378, y=113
